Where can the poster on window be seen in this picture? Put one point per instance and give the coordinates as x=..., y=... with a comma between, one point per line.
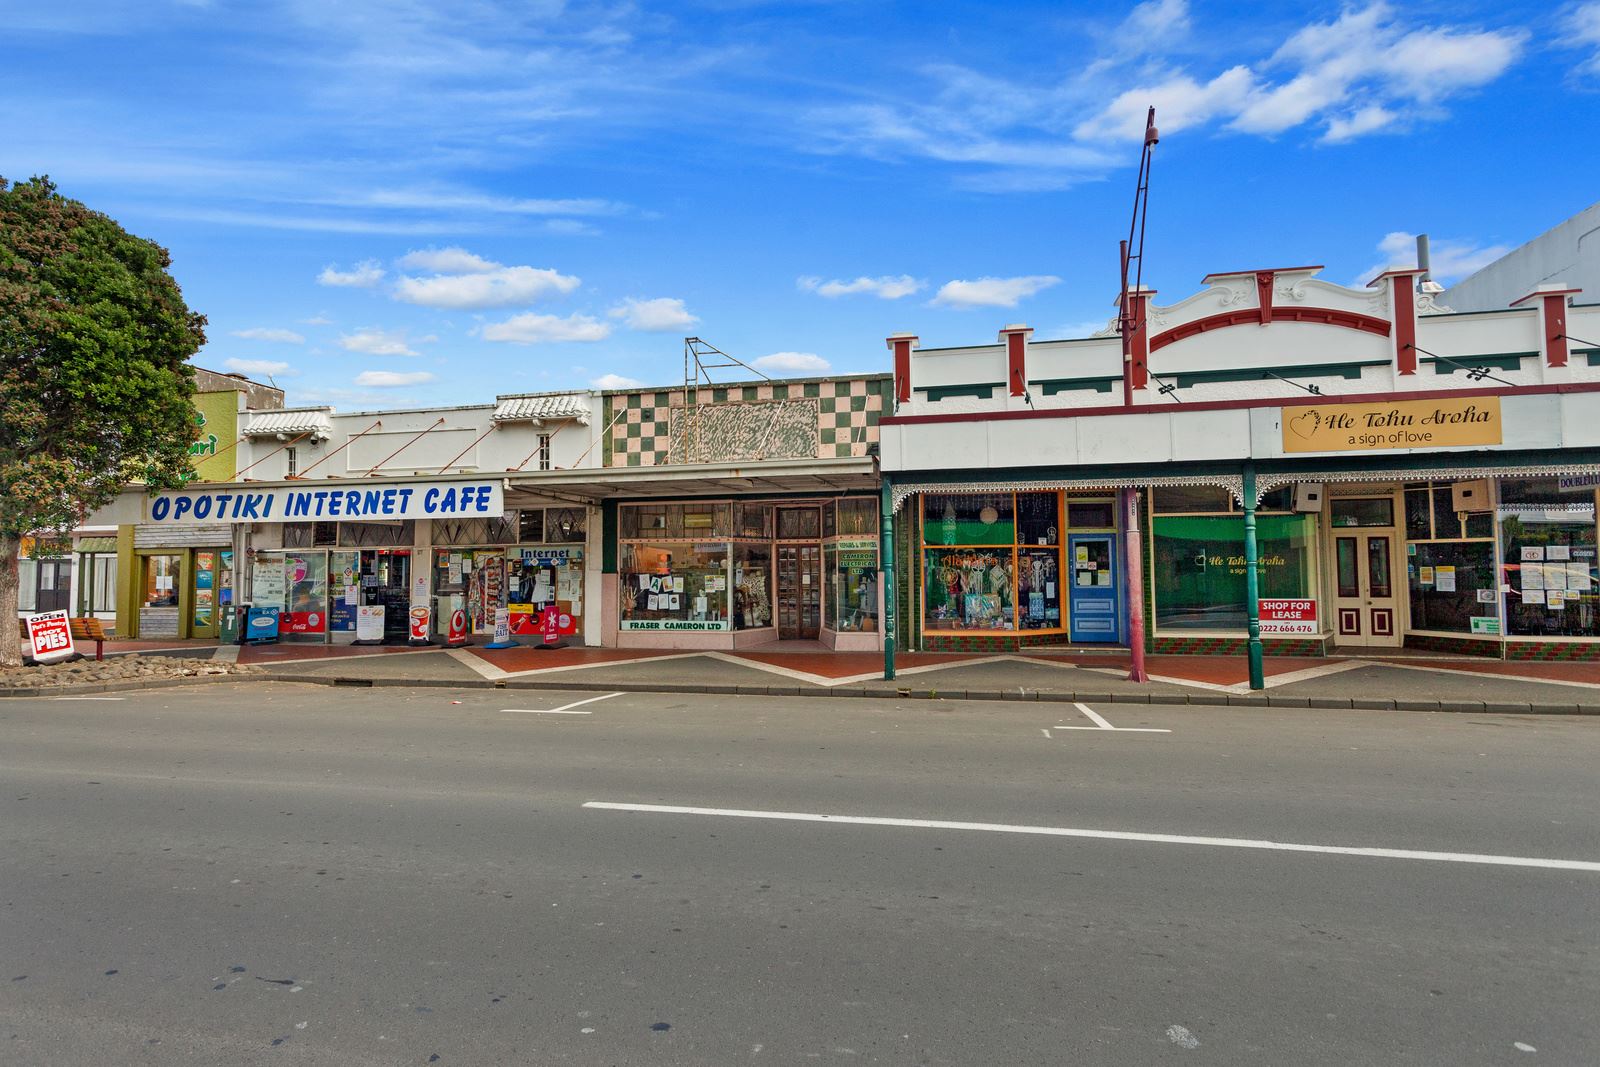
x=267, y=583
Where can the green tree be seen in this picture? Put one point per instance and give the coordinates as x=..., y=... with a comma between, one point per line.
x=95, y=392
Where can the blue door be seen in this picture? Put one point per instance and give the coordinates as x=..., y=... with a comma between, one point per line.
x=1094, y=592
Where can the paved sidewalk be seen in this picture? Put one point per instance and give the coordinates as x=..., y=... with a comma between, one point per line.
x=1408, y=682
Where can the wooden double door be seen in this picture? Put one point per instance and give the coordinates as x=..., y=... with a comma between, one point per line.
x=1367, y=590
x=799, y=592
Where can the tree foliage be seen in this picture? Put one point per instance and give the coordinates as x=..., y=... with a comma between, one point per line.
x=95, y=390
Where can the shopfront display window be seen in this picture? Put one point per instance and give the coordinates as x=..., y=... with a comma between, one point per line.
x=161, y=581
x=683, y=586
x=970, y=589
x=544, y=590
x=306, y=575
x=1449, y=564
x=752, y=586
x=1199, y=566
x=851, y=601
x=1548, y=544
x=968, y=519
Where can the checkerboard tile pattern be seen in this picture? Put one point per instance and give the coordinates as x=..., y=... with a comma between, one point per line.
x=643, y=425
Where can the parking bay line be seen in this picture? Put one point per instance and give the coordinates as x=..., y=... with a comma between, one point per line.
x=1101, y=724
x=565, y=709
x=1485, y=859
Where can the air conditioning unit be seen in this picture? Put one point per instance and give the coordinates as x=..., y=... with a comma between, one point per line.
x=1471, y=496
x=1308, y=496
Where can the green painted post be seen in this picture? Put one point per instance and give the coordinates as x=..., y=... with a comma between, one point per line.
x=886, y=559
x=1252, y=579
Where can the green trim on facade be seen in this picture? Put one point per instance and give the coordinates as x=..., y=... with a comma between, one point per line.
x=1052, y=386
x=980, y=390
x=1463, y=364
x=1347, y=371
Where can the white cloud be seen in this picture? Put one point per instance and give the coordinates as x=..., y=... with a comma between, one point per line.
x=792, y=363
x=616, y=381
x=317, y=320
x=366, y=274
x=496, y=287
x=661, y=314
x=454, y=260
x=531, y=329
x=887, y=287
x=1449, y=260
x=1365, y=120
x=376, y=342
x=388, y=379
x=992, y=292
x=268, y=367
x=1180, y=102
x=263, y=333
x=1583, y=31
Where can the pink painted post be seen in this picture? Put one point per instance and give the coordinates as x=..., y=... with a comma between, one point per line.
x=1133, y=551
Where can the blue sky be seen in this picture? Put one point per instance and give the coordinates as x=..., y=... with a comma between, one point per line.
x=387, y=204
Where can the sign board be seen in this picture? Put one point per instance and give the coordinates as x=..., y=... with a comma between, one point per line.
x=268, y=584
x=1282, y=618
x=369, y=622
x=1577, y=483
x=289, y=503
x=674, y=624
x=50, y=634
x=1451, y=422
x=502, y=626
x=1485, y=625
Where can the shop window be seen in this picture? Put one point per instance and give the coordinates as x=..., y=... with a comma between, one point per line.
x=27, y=584
x=692, y=521
x=1091, y=514
x=968, y=519
x=1199, y=567
x=830, y=519
x=1419, y=514
x=674, y=587
x=499, y=531
x=160, y=581
x=1361, y=511
x=564, y=526
x=1038, y=518
x=1038, y=589
x=799, y=524
x=1190, y=499
x=858, y=516
x=376, y=534
x=851, y=601
x=537, y=580
x=530, y=526
x=1548, y=542
x=753, y=520
x=310, y=534
x=752, y=587
x=1452, y=584
x=969, y=589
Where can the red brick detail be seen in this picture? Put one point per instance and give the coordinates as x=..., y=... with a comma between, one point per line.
x=1016, y=362
x=1405, y=325
x=901, y=347
x=1350, y=320
x=1264, y=295
x=1555, y=330
x=1139, y=346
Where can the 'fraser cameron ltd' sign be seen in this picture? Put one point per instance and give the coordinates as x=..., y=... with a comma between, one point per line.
x=287, y=503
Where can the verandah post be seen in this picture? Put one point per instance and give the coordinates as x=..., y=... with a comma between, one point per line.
x=886, y=559
x=1252, y=579
x=1133, y=556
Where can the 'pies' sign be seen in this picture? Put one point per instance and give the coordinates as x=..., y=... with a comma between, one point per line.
x=1400, y=425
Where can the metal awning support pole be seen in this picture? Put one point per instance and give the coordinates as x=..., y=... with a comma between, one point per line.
x=886, y=559
x=1252, y=579
x=1134, y=552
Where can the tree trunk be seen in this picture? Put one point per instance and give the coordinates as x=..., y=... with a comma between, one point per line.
x=10, y=644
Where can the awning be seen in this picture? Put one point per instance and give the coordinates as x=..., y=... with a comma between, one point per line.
x=95, y=544
x=543, y=407
x=292, y=422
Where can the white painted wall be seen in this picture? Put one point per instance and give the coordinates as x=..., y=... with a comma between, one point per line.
x=1569, y=253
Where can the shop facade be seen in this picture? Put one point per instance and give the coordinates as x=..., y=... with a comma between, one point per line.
x=1335, y=470
x=744, y=514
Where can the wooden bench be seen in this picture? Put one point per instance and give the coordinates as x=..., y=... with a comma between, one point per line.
x=82, y=630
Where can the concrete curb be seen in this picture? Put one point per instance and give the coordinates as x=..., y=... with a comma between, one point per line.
x=1232, y=700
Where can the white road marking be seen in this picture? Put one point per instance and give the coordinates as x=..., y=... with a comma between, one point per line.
x=565, y=709
x=1486, y=859
x=1044, y=731
x=1180, y=1036
x=88, y=698
x=1101, y=724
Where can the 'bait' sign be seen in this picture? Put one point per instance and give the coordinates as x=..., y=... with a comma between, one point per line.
x=291, y=503
x=1399, y=425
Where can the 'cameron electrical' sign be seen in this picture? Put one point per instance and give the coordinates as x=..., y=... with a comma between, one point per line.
x=287, y=503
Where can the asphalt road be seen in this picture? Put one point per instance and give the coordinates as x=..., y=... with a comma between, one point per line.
x=291, y=874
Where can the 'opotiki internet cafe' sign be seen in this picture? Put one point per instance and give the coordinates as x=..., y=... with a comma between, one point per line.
x=289, y=503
